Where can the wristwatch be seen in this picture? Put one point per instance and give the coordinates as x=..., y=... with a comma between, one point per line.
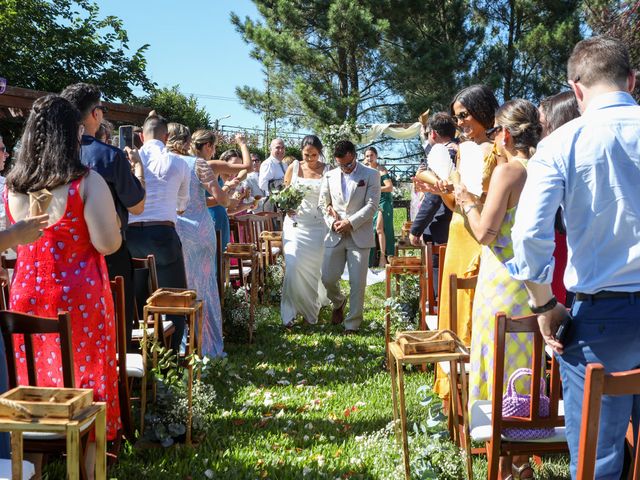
x=543, y=308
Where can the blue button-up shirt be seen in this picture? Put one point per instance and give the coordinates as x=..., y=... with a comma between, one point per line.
x=590, y=166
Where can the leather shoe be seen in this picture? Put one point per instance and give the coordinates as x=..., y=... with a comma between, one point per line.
x=337, y=315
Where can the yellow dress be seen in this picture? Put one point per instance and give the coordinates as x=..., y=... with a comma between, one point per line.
x=463, y=259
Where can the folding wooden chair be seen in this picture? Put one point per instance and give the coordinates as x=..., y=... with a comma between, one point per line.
x=243, y=252
x=597, y=384
x=487, y=422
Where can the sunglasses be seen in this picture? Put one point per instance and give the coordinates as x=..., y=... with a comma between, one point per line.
x=101, y=107
x=490, y=132
x=3, y=85
x=347, y=166
x=462, y=115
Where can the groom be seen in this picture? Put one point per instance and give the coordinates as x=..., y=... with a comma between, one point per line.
x=349, y=197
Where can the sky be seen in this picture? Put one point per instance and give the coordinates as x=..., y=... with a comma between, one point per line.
x=193, y=44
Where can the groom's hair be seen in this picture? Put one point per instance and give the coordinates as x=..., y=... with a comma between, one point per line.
x=342, y=148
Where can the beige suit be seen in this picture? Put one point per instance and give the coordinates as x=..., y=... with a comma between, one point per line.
x=351, y=248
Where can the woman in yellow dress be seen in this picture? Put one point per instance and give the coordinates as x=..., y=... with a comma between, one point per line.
x=473, y=109
x=517, y=131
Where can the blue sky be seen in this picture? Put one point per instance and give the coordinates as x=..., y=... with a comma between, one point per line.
x=193, y=44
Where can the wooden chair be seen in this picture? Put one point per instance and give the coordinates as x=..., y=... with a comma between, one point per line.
x=597, y=384
x=250, y=229
x=7, y=264
x=243, y=252
x=13, y=323
x=130, y=365
x=271, y=246
x=146, y=283
x=487, y=422
x=431, y=252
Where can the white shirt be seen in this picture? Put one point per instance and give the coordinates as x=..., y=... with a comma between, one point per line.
x=252, y=183
x=167, y=178
x=271, y=169
x=348, y=183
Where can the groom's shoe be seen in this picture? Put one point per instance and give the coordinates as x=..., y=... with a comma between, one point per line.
x=337, y=315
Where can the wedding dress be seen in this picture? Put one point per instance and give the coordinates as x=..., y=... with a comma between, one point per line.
x=303, y=238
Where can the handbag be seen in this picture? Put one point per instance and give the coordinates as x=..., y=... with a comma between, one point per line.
x=515, y=404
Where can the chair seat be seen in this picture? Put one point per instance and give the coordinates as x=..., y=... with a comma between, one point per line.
x=134, y=365
x=480, y=426
x=432, y=322
x=42, y=436
x=167, y=325
x=28, y=469
x=235, y=273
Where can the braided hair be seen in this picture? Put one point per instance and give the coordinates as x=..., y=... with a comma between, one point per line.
x=49, y=156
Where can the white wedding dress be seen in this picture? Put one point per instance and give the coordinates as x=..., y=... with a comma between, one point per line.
x=303, y=292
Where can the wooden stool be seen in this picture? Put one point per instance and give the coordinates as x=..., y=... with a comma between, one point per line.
x=193, y=312
x=95, y=413
x=243, y=252
x=397, y=360
x=405, y=266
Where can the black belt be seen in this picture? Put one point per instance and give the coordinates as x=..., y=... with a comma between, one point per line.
x=605, y=294
x=153, y=224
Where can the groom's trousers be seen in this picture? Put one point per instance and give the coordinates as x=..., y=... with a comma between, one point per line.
x=357, y=260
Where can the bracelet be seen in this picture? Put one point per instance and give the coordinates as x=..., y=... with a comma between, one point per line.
x=469, y=208
x=543, y=308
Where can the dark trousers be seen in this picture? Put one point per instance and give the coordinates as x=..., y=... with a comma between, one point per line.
x=119, y=264
x=162, y=242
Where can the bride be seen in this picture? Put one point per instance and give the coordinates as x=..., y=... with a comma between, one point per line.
x=303, y=292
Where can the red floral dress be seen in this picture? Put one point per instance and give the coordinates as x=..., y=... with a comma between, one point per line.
x=62, y=271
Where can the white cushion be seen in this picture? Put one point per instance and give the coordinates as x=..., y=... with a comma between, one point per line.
x=39, y=436
x=446, y=367
x=134, y=365
x=137, y=332
x=432, y=322
x=28, y=469
x=275, y=251
x=234, y=272
x=480, y=427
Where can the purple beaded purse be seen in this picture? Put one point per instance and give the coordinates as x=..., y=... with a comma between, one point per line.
x=515, y=404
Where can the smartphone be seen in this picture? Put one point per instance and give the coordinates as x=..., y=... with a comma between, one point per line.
x=126, y=136
x=563, y=329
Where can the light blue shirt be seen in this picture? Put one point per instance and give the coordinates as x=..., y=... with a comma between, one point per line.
x=590, y=166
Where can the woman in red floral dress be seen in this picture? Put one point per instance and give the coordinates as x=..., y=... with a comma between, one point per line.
x=64, y=270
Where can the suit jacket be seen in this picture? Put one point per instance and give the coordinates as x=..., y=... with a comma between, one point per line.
x=359, y=210
x=432, y=220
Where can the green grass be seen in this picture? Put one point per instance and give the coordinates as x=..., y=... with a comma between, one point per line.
x=309, y=404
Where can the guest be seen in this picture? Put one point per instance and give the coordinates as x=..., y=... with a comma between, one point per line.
x=303, y=239
x=240, y=199
x=204, y=142
x=153, y=232
x=555, y=111
x=104, y=131
x=383, y=218
x=64, y=269
x=197, y=231
x=516, y=132
x=124, y=175
x=272, y=170
x=473, y=108
x=590, y=166
x=252, y=182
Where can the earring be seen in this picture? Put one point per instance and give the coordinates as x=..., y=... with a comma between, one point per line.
x=504, y=144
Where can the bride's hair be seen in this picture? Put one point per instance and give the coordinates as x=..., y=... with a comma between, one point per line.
x=312, y=141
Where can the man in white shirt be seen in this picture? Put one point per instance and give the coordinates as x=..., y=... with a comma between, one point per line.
x=272, y=169
x=153, y=232
x=251, y=182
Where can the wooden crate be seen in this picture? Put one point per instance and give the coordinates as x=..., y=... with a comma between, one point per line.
x=430, y=341
x=172, y=297
x=41, y=402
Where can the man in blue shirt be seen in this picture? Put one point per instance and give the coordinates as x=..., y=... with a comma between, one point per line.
x=124, y=175
x=590, y=166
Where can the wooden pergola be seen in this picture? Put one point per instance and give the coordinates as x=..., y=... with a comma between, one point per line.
x=16, y=102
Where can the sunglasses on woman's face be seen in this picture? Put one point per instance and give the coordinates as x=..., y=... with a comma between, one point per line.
x=493, y=131
x=462, y=116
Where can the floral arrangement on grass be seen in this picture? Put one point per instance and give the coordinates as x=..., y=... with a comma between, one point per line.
x=274, y=278
x=235, y=314
x=289, y=199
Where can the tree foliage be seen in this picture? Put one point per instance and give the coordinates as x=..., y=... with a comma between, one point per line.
x=177, y=107
x=49, y=44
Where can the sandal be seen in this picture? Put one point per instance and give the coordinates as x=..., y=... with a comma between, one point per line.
x=517, y=472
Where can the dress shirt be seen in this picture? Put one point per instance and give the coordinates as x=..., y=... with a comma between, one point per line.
x=348, y=183
x=590, y=166
x=167, y=178
x=271, y=169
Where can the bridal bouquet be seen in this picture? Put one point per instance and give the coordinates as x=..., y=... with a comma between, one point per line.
x=289, y=199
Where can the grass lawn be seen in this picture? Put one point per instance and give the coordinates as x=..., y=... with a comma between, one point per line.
x=304, y=404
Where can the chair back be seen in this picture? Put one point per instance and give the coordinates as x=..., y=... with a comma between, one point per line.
x=13, y=323
x=276, y=220
x=251, y=226
x=597, y=384
x=432, y=251
x=527, y=324
x=145, y=281
x=442, y=252
x=456, y=284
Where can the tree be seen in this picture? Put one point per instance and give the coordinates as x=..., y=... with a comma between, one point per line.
x=526, y=45
x=49, y=44
x=177, y=107
x=619, y=19
x=326, y=52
